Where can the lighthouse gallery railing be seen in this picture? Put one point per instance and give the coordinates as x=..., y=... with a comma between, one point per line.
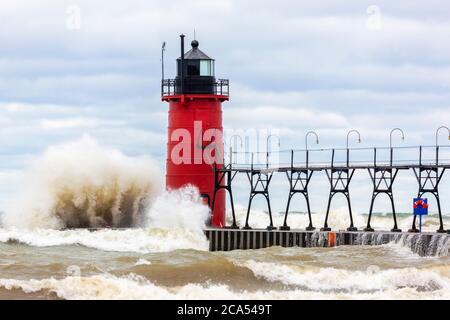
x=170, y=87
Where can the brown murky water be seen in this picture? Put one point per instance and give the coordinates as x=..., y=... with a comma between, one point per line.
x=109, y=264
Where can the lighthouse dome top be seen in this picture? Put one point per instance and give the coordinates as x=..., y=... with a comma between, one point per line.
x=195, y=53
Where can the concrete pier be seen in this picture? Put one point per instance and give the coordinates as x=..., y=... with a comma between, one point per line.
x=424, y=244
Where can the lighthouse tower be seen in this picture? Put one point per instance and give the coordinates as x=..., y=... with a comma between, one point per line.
x=195, y=142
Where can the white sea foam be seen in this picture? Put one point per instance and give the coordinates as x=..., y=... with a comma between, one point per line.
x=134, y=287
x=127, y=240
x=182, y=208
x=326, y=279
x=143, y=262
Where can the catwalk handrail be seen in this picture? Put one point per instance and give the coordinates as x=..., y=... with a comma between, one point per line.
x=262, y=159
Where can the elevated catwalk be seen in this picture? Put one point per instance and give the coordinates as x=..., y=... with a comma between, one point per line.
x=428, y=164
x=424, y=244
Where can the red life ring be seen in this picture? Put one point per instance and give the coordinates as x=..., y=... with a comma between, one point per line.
x=420, y=203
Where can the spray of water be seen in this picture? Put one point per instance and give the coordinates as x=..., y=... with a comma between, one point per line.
x=182, y=209
x=82, y=184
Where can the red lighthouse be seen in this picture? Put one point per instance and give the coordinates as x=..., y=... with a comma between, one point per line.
x=195, y=142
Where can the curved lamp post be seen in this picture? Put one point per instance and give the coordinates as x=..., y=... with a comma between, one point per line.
x=353, y=131
x=390, y=141
x=437, y=140
x=306, y=138
x=348, y=136
x=267, y=147
x=236, y=136
x=437, y=133
x=390, y=135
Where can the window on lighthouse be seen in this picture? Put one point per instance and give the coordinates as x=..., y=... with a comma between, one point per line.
x=206, y=67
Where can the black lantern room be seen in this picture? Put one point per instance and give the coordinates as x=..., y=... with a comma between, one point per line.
x=198, y=72
x=196, y=63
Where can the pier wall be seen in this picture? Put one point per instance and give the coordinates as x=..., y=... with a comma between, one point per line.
x=424, y=244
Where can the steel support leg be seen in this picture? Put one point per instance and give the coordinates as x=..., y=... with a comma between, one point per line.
x=352, y=227
x=394, y=215
x=227, y=176
x=247, y=227
x=269, y=227
x=369, y=228
x=441, y=222
x=234, y=225
x=413, y=227
x=285, y=226
x=291, y=195
x=310, y=227
x=325, y=225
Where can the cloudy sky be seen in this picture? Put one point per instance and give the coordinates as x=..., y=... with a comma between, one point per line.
x=294, y=66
